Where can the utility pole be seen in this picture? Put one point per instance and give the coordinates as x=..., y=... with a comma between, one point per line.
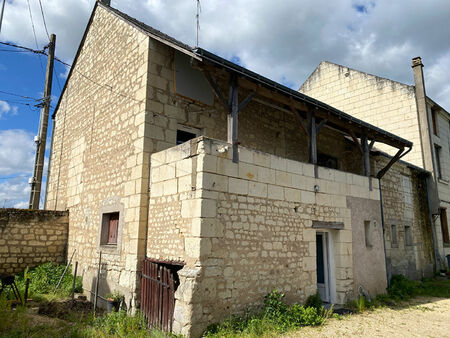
x=1, y=15
x=41, y=138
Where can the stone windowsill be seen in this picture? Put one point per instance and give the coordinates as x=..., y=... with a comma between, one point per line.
x=443, y=181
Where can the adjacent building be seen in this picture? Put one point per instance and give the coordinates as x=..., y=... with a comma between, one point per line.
x=406, y=111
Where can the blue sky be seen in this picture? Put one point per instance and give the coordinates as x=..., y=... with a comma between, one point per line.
x=284, y=42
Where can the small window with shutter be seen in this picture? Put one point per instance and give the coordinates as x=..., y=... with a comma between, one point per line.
x=110, y=228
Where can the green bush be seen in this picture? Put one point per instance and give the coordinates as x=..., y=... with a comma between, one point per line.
x=402, y=288
x=314, y=301
x=275, y=317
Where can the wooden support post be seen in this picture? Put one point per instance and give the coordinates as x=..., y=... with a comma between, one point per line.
x=234, y=119
x=366, y=153
x=313, y=138
x=391, y=162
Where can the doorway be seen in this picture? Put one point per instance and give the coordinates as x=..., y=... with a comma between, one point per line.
x=323, y=266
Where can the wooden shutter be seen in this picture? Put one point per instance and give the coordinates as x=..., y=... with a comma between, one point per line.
x=444, y=225
x=113, y=227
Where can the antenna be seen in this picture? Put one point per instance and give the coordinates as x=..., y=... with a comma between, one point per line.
x=199, y=9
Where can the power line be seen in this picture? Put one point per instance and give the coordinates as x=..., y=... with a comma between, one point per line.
x=34, y=33
x=24, y=48
x=14, y=51
x=18, y=95
x=43, y=19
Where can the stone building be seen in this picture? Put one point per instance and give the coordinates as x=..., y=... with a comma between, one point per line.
x=148, y=159
x=406, y=111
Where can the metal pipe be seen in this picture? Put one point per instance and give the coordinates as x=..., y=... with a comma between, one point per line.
x=388, y=279
x=96, y=282
x=437, y=257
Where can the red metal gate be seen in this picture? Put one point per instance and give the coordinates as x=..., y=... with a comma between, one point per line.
x=158, y=284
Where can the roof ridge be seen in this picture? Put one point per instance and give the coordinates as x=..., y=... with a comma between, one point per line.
x=370, y=74
x=145, y=27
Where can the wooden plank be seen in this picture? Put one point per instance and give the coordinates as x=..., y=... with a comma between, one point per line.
x=353, y=136
x=313, y=137
x=366, y=155
x=320, y=125
x=246, y=101
x=160, y=305
x=391, y=162
x=327, y=225
x=215, y=88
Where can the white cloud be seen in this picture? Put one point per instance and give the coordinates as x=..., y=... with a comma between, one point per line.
x=14, y=193
x=16, y=152
x=284, y=41
x=7, y=109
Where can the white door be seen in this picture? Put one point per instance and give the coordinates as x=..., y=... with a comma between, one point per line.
x=323, y=284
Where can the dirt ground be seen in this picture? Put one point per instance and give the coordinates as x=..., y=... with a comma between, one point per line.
x=421, y=317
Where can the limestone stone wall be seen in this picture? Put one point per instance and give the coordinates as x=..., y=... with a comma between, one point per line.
x=261, y=127
x=405, y=204
x=245, y=228
x=381, y=102
x=100, y=154
x=442, y=139
x=29, y=238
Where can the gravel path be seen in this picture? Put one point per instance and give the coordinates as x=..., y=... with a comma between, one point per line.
x=424, y=317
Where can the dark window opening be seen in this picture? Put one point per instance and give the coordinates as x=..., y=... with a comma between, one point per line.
x=327, y=161
x=368, y=234
x=184, y=136
x=110, y=228
x=434, y=121
x=444, y=225
x=394, y=238
x=408, y=235
x=437, y=150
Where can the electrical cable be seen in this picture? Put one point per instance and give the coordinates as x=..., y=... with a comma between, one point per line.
x=43, y=19
x=34, y=33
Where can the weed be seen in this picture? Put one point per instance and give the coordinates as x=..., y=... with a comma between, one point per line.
x=43, y=281
x=338, y=316
x=275, y=317
x=314, y=301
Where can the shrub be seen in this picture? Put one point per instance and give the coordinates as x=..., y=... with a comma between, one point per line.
x=401, y=288
x=314, y=301
x=275, y=316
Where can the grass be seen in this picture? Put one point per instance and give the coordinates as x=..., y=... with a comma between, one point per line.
x=402, y=289
x=274, y=318
x=43, y=281
x=63, y=319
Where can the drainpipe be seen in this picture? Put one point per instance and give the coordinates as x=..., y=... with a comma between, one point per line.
x=388, y=279
x=437, y=256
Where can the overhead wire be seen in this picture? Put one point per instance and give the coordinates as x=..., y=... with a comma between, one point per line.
x=34, y=34
x=18, y=95
x=43, y=20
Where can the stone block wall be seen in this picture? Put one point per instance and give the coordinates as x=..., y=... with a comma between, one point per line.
x=100, y=152
x=405, y=205
x=384, y=103
x=29, y=238
x=245, y=228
